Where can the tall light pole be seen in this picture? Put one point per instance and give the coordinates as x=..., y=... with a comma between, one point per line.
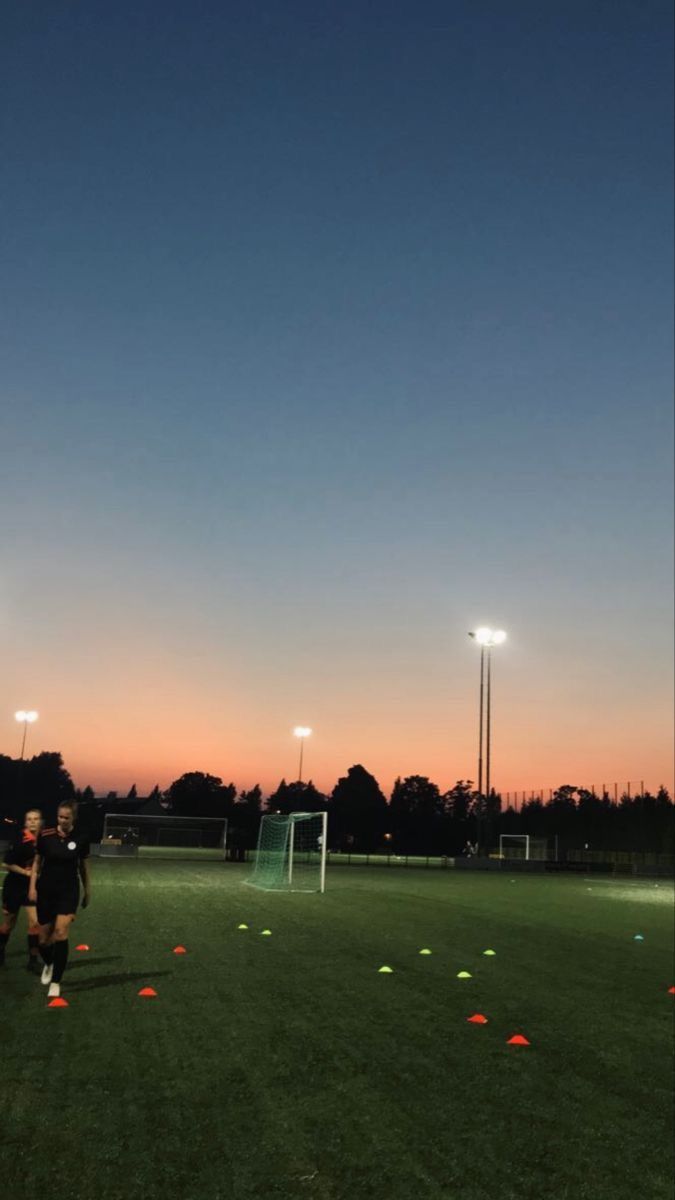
x=486, y=638
x=26, y=719
x=301, y=732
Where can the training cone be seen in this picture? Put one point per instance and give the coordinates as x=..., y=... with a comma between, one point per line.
x=477, y=1019
x=639, y=937
x=425, y=951
x=148, y=991
x=671, y=991
x=464, y=975
x=517, y=1040
x=179, y=950
x=386, y=971
x=82, y=946
x=490, y=953
x=265, y=932
x=242, y=926
x=58, y=1002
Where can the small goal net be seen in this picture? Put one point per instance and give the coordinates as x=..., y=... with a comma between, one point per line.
x=134, y=836
x=291, y=853
x=513, y=846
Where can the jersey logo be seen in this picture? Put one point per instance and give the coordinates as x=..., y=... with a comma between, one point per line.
x=72, y=845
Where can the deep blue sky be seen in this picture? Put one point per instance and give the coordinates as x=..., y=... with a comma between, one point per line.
x=330, y=330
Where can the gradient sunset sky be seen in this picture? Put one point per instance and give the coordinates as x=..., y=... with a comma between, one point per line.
x=332, y=330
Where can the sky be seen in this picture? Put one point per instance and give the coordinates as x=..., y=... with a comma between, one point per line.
x=331, y=331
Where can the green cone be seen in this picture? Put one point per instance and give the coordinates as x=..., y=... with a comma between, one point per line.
x=490, y=952
x=265, y=932
x=464, y=975
x=242, y=926
x=385, y=971
x=425, y=951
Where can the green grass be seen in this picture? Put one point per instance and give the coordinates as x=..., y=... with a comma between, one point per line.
x=286, y=1066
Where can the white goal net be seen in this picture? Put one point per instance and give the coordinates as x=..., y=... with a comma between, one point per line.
x=291, y=853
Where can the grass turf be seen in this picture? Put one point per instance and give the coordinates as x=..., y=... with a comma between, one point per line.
x=287, y=1067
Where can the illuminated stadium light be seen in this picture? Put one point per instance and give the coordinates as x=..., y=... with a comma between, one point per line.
x=26, y=717
x=486, y=638
x=301, y=732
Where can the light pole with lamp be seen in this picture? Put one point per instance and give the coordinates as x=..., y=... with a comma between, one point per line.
x=301, y=732
x=26, y=719
x=486, y=638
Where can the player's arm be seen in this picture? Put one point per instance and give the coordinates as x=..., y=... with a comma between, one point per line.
x=15, y=868
x=9, y=863
x=34, y=873
x=86, y=881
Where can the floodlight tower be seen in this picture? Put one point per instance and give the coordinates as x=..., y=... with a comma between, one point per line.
x=486, y=638
x=301, y=732
x=26, y=719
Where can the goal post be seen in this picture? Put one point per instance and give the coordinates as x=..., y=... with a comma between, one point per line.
x=521, y=846
x=514, y=845
x=138, y=835
x=291, y=853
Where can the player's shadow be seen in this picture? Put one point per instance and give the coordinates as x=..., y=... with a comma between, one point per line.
x=89, y=961
x=102, y=981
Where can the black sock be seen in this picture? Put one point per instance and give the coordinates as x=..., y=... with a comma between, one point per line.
x=33, y=944
x=46, y=953
x=60, y=960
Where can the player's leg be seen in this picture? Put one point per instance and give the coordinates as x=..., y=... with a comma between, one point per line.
x=60, y=945
x=8, y=923
x=33, y=927
x=46, y=916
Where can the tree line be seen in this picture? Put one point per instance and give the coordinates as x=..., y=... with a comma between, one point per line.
x=417, y=818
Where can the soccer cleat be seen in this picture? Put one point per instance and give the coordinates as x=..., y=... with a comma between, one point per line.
x=54, y=990
x=46, y=976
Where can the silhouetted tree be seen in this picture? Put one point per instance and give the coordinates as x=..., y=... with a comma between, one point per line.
x=196, y=794
x=459, y=825
x=242, y=833
x=416, y=812
x=358, y=811
x=296, y=797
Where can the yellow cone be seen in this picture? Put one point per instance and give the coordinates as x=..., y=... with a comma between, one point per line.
x=265, y=932
x=425, y=951
x=242, y=926
x=385, y=971
x=464, y=975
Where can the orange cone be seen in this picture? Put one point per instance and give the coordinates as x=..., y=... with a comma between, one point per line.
x=58, y=1002
x=518, y=1040
x=148, y=991
x=671, y=991
x=179, y=950
x=477, y=1019
x=82, y=946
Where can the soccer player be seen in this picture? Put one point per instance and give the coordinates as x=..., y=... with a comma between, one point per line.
x=61, y=861
x=18, y=861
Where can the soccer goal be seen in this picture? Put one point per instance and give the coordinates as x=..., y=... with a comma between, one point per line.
x=134, y=835
x=291, y=854
x=522, y=846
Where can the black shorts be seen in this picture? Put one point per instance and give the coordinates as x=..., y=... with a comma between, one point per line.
x=53, y=902
x=14, y=892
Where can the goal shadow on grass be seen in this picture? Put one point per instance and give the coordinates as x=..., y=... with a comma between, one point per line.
x=102, y=981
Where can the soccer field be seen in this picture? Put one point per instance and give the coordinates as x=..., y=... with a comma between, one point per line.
x=287, y=1066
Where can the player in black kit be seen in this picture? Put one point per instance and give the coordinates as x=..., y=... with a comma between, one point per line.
x=17, y=862
x=61, y=861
